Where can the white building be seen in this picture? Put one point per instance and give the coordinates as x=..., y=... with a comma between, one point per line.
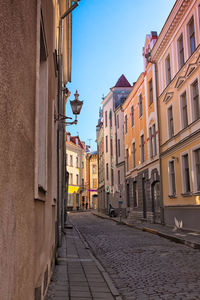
x=111, y=102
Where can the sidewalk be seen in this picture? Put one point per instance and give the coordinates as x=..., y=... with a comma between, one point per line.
x=188, y=238
x=78, y=275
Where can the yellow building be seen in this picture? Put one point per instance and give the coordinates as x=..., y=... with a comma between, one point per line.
x=177, y=57
x=75, y=164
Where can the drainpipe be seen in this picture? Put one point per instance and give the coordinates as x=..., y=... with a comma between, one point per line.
x=160, y=165
x=61, y=131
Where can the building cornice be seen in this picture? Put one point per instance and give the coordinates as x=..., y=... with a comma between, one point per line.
x=169, y=27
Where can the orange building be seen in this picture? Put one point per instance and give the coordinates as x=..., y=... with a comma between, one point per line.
x=141, y=144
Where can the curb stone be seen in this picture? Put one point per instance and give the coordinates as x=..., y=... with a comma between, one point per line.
x=105, y=275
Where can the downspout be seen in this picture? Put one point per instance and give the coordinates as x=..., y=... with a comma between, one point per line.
x=160, y=165
x=61, y=130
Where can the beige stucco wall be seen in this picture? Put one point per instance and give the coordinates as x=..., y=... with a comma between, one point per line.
x=27, y=231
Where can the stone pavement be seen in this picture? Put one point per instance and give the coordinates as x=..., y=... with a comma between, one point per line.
x=143, y=266
x=78, y=275
x=188, y=238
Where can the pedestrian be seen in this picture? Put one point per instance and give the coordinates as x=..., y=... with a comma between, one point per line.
x=86, y=205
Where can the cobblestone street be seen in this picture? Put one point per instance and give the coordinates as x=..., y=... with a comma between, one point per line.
x=141, y=265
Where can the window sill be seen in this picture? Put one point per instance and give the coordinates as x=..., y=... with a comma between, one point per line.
x=172, y=196
x=189, y=194
x=196, y=193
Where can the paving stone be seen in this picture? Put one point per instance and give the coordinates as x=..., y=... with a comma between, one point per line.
x=140, y=264
x=80, y=294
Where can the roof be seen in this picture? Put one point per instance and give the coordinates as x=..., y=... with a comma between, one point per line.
x=122, y=82
x=73, y=140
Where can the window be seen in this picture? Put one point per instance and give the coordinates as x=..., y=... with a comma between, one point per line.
x=66, y=159
x=150, y=92
x=111, y=147
x=42, y=113
x=154, y=139
x=140, y=106
x=142, y=148
x=197, y=168
x=127, y=160
x=76, y=179
x=77, y=162
x=186, y=174
x=119, y=147
x=107, y=175
x=170, y=122
x=112, y=177
x=125, y=124
x=184, y=110
x=151, y=142
x=110, y=117
x=132, y=116
x=82, y=165
x=172, y=182
x=70, y=178
x=191, y=36
x=106, y=143
x=119, y=177
x=195, y=100
x=134, y=158
x=94, y=169
x=168, y=69
x=82, y=182
x=180, y=47
x=117, y=121
x=95, y=183
x=135, y=194
x=106, y=119
x=71, y=160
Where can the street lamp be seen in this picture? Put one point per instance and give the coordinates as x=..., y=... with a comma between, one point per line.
x=76, y=106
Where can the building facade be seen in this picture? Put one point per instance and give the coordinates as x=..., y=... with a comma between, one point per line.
x=28, y=179
x=142, y=170
x=75, y=165
x=100, y=158
x=92, y=180
x=177, y=56
x=114, y=99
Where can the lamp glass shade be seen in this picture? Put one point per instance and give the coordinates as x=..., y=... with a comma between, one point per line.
x=76, y=106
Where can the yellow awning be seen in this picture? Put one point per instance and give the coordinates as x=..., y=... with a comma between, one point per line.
x=72, y=189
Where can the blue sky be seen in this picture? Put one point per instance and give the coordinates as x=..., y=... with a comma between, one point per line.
x=107, y=41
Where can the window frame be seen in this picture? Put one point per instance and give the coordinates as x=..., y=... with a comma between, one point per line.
x=194, y=171
x=106, y=118
x=125, y=124
x=168, y=73
x=180, y=50
x=190, y=50
x=132, y=116
x=170, y=128
x=140, y=105
x=194, y=111
x=142, y=150
x=183, y=177
x=150, y=91
x=134, y=154
x=172, y=185
x=184, y=122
